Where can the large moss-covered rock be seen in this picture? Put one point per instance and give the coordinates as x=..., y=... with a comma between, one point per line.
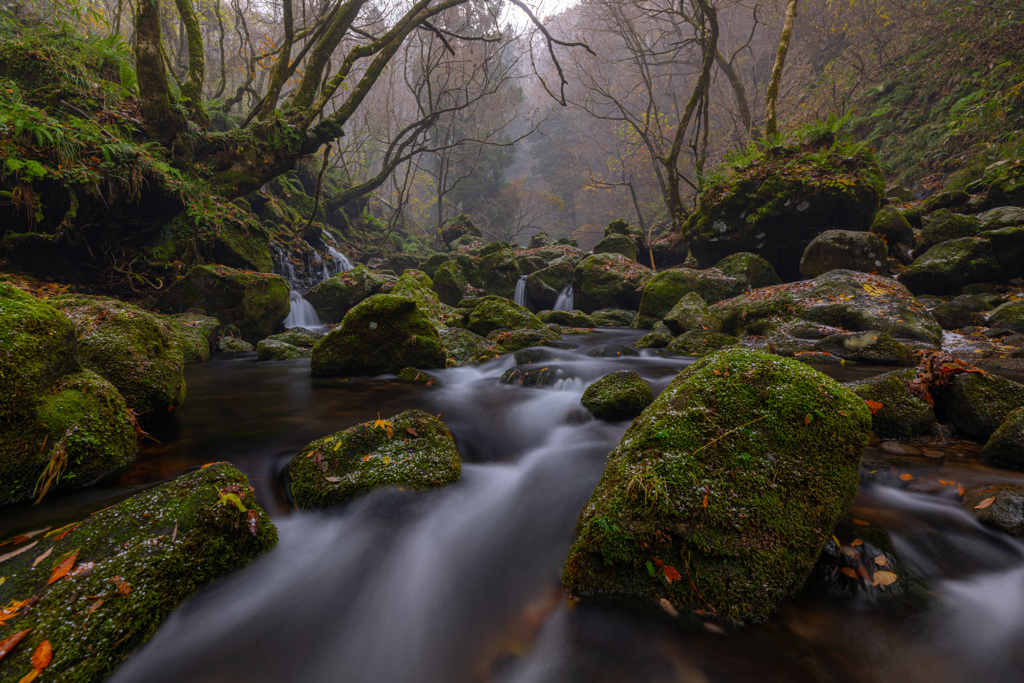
x=413, y=450
x=843, y=249
x=1005, y=448
x=780, y=199
x=130, y=566
x=978, y=403
x=892, y=226
x=450, y=283
x=699, y=343
x=1005, y=510
x=617, y=244
x=460, y=226
x=620, y=395
x=463, y=347
x=1009, y=316
x=874, y=348
x=666, y=288
x=610, y=281
x=690, y=313
x=275, y=349
x=496, y=271
x=613, y=317
x=945, y=227
x=197, y=334
x=514, y=340
x=381, y=334
x=416, y=285
x=1001, y=217
x=750, y=269
x=335, y=296
x=298, y=336
x=544, y=286
x=948, y=266
x=256, y=303
x=1006, y=183
x=658, y=338
x=722, y=494
x=567, y=318
x=498, y=313
x=902, y=415
x=139, y=353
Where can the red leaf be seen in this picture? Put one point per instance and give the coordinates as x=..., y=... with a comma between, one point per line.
x=254, y=521
x=7, y=644
x=411, y=431
x=875, y=406
x=61, y=570
x=65, y=532
x=43, y=655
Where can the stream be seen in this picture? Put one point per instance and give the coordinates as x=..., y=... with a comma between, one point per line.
x=462, y=583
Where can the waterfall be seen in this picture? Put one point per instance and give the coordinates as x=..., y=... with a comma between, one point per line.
x=341, y=262
x=302, y=313
x=564, y=301
x=520, y=296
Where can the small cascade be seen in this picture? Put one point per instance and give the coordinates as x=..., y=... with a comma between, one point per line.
x=520, y=296
x=302, y=313
x=341, y=262
x=564, y=301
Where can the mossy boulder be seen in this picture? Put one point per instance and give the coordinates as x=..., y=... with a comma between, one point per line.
x=699, y=343
x=1005, y=448
x=902, y=415
x=139, y=353
x=892, y=226
x=497, y=270
x=335, y=296
x=690, y=313
x=843, y=250
x=1009, y=316
x=381, y=334
x=658, y=338
x=872, y=347
x=298, y=336
x=750, y=269
x=229, y=344
x=776, y=201
x=1001, y=217
x=610, y=281
x=665, y=289
x=1005, y=183
x=498, y=313
x=460, y=226
x=620, y=395
x=613, y=317
x=567, y=318
x=978, y=403
x=543, y=286
x=416, y=285
x=722, y=494
x=617, y=244
x=197, y=334
x=514, y=340
x=946, y=199
x=948, y=266
x=621, y=227
x=534, y=375
x=450, y=283
x=256, y=303
x=952, y=315
x=274, y=349
x=132, y=564
x=417, y=377
x=945, y=227
x=435, y=261
x=463, y=347
x=412, y=450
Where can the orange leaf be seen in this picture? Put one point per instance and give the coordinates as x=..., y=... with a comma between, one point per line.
x=860, y=522
x=671, y=573
x=857, y=542
x=30, y=676
x=366, y=457
x=411, y=431
x=883, y=578
x=63, y=568
x=7, y=644
x=863, y=573
x=985, y=503
x=881, y=561
x=849, y=572
x=906, y=477
x=43, y=655
x=212, y=463
x=960, y=490
x=65, y=532
x=807, y=419
x=875, y=406
x=705, y=503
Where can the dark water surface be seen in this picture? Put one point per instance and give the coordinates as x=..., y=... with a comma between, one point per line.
x=461, y=584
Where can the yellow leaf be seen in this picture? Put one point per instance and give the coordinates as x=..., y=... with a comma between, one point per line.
x=985, y=503
x=883, y=578
x=383, y=424
x=872, y=290
x=849, y=572
x=30, y=676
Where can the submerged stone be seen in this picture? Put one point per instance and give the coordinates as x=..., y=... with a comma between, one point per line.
x=412, y=450
x=130, y=566
x=274, y=349
x=722, y=494
x=620, y=395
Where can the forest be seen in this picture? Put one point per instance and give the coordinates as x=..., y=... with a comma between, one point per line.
x=511, y=341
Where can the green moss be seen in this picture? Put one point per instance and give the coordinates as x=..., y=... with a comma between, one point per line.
x=903, y=415
x=412, y=450
x=497, y=313
x=514, y=340
x=450, y=283
x=613, y=317
x=750, y=269
x=274, y=349
x=335, y=296
x=733, y=477
x=950, y=265
x=610, y=281
x=463, y=347
x=618, y=395
x=944, y=228
x=616, y=244
x=666, y=288
x=699, y=343
x=977, y=404
x=567, y=318
x=136, y=562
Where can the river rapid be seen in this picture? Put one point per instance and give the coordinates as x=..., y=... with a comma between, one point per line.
x=462, y=583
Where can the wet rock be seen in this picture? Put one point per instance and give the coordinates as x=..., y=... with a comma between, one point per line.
x=1008, y=316
x=612, y=351
x=435, y=261
x=497, y=271
x=999, y=505
x=450, y=283
x=568, y=318
x=273, y=349
x=381, y=334
x=669, y=250
x=876, y=348
x=977, y=404
x=414, y=376
x=945, y=227
x=659, y=337
x=1001, y=217
x=335, y=296
x=463, y=347
x=666, y=288
x=750, y=269
x=530, y=264
x=948, y=266
x=412, y=450
x=497, y=313
x=298, y=336
x=197, y=334
x=1005, y=448
x=699, y=343
x=902, y=415
x=459, y=227
x=544, y=285
x=781, y=200
x=690, y=313
x=732, y=480
x=1006, y=184
x=610, y=281
x=534, y=355
x=398, y=263
x=617, y=244
x=541, y=239
x=952, y=315
x=946, y=200
x=843, y=250
x=618, y=395
x=613, y=317
x=541, y=376
x=131, y=565
x=229, y=344
x=514, y=340
x=139, y=353
x=893, y=227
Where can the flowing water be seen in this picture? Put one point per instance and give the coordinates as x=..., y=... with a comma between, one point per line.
x=301, y=313
x=520, y=294
x=461, y=583
x=564, y=302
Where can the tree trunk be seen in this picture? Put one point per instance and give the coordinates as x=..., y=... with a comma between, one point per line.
x=161, y=121
x=771, y=123
x=192, y=87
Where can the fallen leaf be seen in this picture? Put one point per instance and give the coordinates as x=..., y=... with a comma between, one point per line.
x=174, y=534
x=318, y=457
x=849, y=572
x=667, y=606
x=860, y=522
x=985, y=503
x=863, y=573
x=19, y=551
x=857, y=542
x=807, y=419
x=411, y=431
x=42, y=557
x=843, y=413
x=875, y=406
x=906, y=476
x=881, y=561
x=212, y=463
x=960, y=490
x=383, y=424
x=30, y=676
x=882, y=578
x=95, y=606
x=333, y=480
x=366, y=457
x=705, y=502
x=254, y=521
x=7, y=644
x=61, y=570
x=82, y=570
x=43, y=655
x=850, y=552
